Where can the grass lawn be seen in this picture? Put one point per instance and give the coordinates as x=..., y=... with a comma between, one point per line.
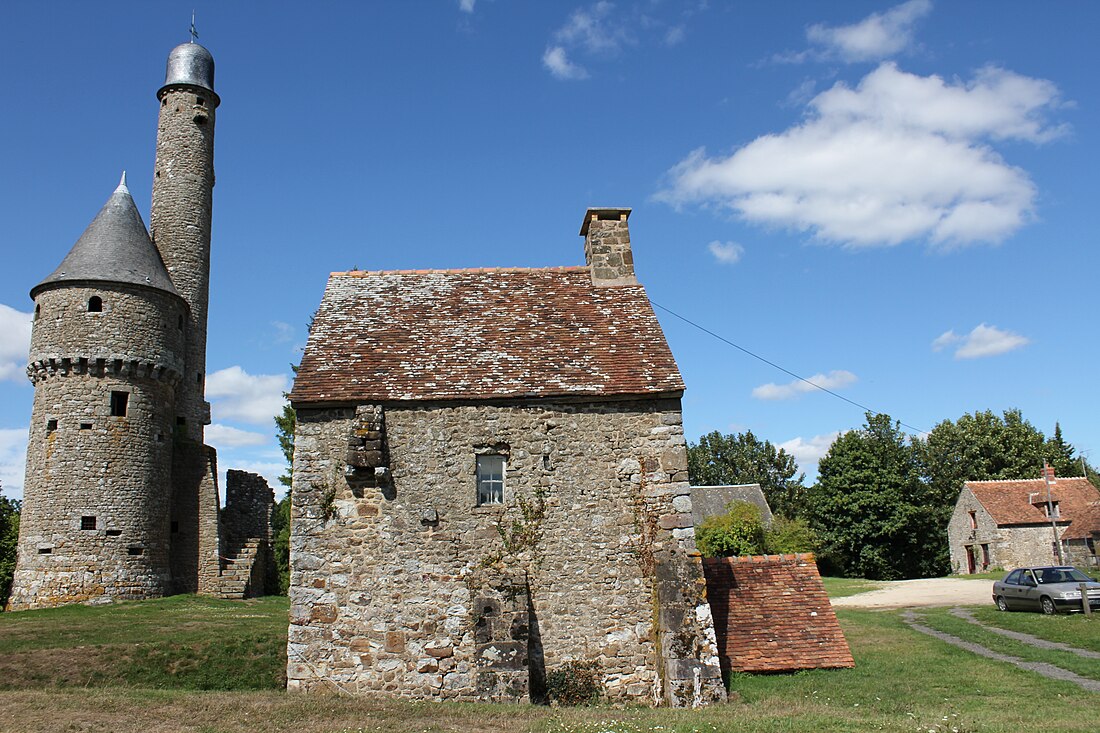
x=903, y=681
x=1074, y=629
x=941, y=620
x=841, y=587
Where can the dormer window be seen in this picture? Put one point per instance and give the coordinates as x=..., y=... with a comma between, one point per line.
x=95, y=304
x=1052, y=511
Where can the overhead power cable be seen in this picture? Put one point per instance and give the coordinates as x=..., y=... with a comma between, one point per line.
x=770, y=363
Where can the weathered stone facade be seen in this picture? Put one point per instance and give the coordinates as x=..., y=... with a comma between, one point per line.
x=1004, y=524
x=392, y=578
x=121, y=495
x=410, y=578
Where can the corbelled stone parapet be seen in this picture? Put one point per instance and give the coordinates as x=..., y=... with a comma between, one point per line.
x=108, y=366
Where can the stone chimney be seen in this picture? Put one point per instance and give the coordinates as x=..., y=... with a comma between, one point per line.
x=607, y=247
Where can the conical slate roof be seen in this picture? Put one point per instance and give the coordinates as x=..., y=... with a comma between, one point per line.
x=114, y=248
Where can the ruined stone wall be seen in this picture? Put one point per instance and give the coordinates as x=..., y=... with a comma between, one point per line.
x=246, y=533
x=114, y=471
x=1009, y=547
x=401, y=585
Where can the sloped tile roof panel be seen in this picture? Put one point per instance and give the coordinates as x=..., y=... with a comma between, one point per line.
x=771, y=614
x=1085, y=523
x=1023, y=501
x=481, y=334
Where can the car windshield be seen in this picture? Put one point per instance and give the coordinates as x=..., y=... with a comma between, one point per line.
x=1062, y=575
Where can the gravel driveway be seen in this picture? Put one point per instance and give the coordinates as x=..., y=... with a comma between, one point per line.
x=923, y=592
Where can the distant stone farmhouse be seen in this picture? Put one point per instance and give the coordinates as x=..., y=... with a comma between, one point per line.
x=490, y=482
x=121, y=495
x=1007, y=524
x=709, y=501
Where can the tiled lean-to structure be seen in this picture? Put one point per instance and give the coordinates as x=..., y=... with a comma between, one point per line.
x=121, y=495
x=490, y=483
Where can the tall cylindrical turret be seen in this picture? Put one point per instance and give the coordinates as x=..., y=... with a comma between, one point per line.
x=180, y=218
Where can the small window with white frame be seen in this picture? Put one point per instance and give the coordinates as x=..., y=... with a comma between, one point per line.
x=490, y=479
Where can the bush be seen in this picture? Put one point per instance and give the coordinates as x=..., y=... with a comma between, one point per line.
x=737, y=532
x=789, y=535
x=577, y=682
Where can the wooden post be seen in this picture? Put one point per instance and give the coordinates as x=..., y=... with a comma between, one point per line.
x=1085, y=599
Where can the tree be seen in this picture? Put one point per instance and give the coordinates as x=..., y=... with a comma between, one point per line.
x=984, y=446
x=9, y=541
x=871, y=510
x=744, y=459
x=285, y=424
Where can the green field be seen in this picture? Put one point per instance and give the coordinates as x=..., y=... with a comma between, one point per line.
x=208, y=666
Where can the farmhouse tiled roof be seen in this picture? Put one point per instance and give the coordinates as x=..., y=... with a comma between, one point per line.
x=1023, y=501
x=481, y=334
x=1084, y=524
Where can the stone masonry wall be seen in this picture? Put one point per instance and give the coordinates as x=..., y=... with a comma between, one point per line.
x=1009, y=547
x=115, y=471
x=402, y=586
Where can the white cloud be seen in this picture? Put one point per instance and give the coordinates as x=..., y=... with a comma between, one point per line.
x=808, y=451
x=284, y=332
x=466, y=6
x=981, y=342
x=675, y=35
x=235, y=394
x=13, y=461
x=225, y=436
x=728, y=253
x=835, y=379
x=877, y=36
x=900, y=157
x=557, y=61
x=15, y=343
x=589, y=29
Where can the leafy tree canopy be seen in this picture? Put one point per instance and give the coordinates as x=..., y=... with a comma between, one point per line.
x=872, y=511
x=718, y=460
x=737, y=532
x=9, y=541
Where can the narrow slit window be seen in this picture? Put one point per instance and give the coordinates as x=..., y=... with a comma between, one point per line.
x=135, y=550
x=85, y=426
x=45, y=550
x=95, y=304
x=114, y=532
x=175, y=527
x=87, y=522
x=119, y=402
x=490, y=480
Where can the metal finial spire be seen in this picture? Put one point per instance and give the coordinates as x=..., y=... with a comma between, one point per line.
x=122, y=183
x=194, y=33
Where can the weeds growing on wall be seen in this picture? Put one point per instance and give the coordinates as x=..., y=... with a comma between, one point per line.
x=577, y=682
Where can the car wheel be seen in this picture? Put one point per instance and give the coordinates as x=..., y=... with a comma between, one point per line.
x=1002, y=604
x=1048, y=606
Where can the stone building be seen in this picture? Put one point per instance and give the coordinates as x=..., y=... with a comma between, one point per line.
x=121, y=495
x=1007, y=524
x=710, y=501
x=490, y=482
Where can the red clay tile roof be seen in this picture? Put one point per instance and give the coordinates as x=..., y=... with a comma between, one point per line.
x=771, y=614
x=1024, y=501
x=481, y=334
x=1084, y=524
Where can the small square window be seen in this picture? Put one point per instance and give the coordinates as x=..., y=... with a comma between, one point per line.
x=95, y=304
x=181, y=420
x=490, y=480
x=119, y=401
x=87, y=522
x=51, y=425
x=175, y=527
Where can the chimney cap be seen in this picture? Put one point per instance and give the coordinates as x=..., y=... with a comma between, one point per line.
x=605, y=213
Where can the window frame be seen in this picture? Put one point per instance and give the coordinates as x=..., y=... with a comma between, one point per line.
x=489, y=490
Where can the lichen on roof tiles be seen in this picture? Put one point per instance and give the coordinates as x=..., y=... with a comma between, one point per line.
x=482, y=334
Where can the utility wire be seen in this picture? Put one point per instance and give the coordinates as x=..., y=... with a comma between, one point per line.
x=726, y=341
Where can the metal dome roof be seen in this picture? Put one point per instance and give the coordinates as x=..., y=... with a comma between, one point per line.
x=191, y=64
x=114, y=248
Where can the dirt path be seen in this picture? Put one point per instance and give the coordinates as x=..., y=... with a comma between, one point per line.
x=922, y=593
x=1046, y=670
x=1028, y=639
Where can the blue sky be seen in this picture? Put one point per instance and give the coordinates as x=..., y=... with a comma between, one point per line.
x=891, y=199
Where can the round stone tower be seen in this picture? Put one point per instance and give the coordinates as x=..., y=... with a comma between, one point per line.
x=183, y=186
x=107, y=354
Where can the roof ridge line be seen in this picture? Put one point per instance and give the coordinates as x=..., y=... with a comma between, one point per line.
x=458, y=270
